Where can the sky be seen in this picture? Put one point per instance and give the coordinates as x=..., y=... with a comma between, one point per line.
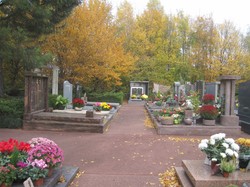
x=237, y=12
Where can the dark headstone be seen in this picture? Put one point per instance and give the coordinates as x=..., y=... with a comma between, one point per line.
x=244, y=106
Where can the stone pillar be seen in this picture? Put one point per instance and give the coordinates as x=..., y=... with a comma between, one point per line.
x=227, y=91
x=55, y=80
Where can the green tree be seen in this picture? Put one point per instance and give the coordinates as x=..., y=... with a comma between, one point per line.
x=25, y=21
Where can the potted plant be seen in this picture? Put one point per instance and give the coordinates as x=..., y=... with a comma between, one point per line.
x=219, y=147
x=208, y=99
x=47, y=150
x=209, y=113
x=7, y=175
x=78, y=103
x=61, y=102
x=144, y=97
x=103, y=106
x=227, y=167
x=37, y=171
x=244, y=154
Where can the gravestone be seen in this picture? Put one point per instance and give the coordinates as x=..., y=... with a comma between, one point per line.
x=212, y=88
x=188, y=88
x=55, y=80
x=200, y=88
x=67, y=92
x=244, y=106
x=78, y=91
x=177, y=90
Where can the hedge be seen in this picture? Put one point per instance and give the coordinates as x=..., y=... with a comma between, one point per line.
x=109, y=97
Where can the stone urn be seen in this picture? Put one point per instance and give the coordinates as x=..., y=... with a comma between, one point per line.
x=188, y=121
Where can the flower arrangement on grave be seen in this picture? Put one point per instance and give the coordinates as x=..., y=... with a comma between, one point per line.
x=133, y=96
x=37, y=169
x=7, y=174
x=103, y=106
x=167, y=113
x=208, y=99
x=144, y=97
x=78, y=102
x=208, y=112
x=219, y=148
x=244, y=144
x=244, y=153
x=47, y=150
x=11, y=152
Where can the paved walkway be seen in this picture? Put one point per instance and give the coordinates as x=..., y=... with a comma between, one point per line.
x=129, y=154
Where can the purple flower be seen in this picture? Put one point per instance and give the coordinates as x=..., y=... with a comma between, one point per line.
x=22, y=164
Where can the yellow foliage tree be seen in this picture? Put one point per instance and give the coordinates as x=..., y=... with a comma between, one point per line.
x=87, y=49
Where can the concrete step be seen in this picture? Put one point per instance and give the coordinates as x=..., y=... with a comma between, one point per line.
x=51, y=125
x=183, y=178
x=69, y=117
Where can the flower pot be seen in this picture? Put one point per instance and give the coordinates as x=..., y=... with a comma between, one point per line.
x=78, y=108
x=208, y=122
x=4, y=185
x=167, y=121
x=225, y=174
x=50, y=172
x=244, y=160
x=38, y=182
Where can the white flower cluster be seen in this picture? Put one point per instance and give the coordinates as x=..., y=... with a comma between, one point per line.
x=225, y=146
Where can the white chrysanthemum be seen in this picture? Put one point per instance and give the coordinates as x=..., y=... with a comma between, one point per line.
x=236, y=154
x=229, y=152
x=202, y=146
x=214, y=159
x=204, y=141
x=225, y=145
x=235, y=147
x=221, y=136
x=218, y=136
x=223, y=155
x=229, y=140
x=212, y=141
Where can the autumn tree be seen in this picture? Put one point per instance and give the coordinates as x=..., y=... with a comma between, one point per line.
x=87, y=49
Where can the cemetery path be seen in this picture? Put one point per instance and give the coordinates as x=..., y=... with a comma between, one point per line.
x=129, y=154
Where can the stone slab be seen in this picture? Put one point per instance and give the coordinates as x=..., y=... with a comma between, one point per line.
x=183, y=179
x=68, y=172
x=200, y=175
x=232, y=120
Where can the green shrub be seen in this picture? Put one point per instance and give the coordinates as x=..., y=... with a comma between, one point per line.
x=52, y=100
x=11, y=112
x=109, y=97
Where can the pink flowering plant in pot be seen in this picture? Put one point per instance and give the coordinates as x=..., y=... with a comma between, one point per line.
x=47, y=150
x=7, y=174
x=37, y=169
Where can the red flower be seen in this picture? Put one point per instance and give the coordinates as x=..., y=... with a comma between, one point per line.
x=208, y=112
x=77, y=102
x=208, y=98
x=8, y=146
